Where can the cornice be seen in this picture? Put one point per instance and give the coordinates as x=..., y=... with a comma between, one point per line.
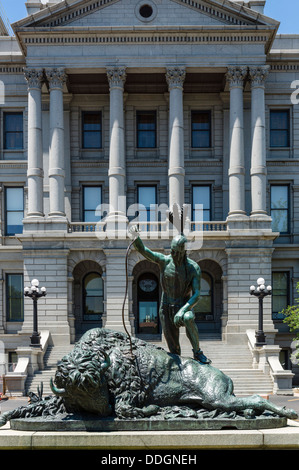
x=161, y=35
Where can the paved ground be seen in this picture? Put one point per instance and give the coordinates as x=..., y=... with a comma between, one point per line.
x=288, y=401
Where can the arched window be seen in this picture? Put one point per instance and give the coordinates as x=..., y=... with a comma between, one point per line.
x=92, y=297
x=204, y=306
x=148, y=304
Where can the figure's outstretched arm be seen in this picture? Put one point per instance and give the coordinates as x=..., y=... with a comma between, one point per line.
x=153, y=256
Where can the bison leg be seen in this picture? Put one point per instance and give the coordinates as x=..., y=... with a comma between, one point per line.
x=253, y=403
x=125, y=410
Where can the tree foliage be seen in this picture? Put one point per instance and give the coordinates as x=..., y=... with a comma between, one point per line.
x=292, y=319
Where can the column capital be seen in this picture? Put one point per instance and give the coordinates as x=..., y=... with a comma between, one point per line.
x=235, y=75
x=175, y=77
x=56, y=78
x=34, y=77
x=116, y=76
x=258, y=75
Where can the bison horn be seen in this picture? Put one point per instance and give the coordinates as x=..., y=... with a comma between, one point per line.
x=106, y=363
x=58, y=391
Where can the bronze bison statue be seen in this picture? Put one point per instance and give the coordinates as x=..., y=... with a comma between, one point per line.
x=109, y=374
x=103, y=376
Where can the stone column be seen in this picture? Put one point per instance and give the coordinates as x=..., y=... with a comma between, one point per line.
x=35, y=172
x=236, y=172
x=175, y=77
x=117, y=164
x=258, y=145
x=56, y=79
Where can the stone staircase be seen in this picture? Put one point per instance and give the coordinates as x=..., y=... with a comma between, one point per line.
x=51, y=358
x=234, y=360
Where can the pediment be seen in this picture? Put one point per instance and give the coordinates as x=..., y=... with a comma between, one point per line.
x=94, y=14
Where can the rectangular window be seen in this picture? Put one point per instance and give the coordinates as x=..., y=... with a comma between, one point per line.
x=14, y=199
x=280, y=294
x=280, y=208
x=279, y=128
x=13, y=131
x=146, y=129
x=201, y=203
x=201, y=129
x=147, y=198
x=92, y=198
x=92, y=130
x=14, y=297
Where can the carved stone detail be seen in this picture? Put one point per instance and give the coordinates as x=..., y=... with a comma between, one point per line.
x=236, y=75
x=175, y=77
x=56, y=78
x=258, y=75
x=34, y=77
x=116, y=76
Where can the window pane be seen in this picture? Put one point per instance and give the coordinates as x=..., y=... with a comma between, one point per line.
x=92, y=130
x=201, y=195
x=13, y=131
x=148, y=317
x=201, y=129
x=279, y=120
x=14, y=297
x=14, y=210
x=147, y=195
x=279, y=128
x=146, y=129
x=92, y=199
x=92, y=140
x=280, y=288
x=279, y=221
x=93, y=297
x=279, y=208
x=14, y=199
x=147, y=198
x=279, y=197
x=14, y=222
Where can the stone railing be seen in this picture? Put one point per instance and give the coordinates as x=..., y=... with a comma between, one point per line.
x=149, y=227
x=30, y=360
x=266, y=358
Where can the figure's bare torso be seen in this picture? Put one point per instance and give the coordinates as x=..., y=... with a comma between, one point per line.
x=176, y=281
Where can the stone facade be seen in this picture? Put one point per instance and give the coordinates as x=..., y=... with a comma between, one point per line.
x=169, y=59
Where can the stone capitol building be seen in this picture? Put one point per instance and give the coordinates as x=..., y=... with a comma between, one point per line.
x=106, y=104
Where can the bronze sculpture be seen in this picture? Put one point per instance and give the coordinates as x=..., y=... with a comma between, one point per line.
x=180, y=282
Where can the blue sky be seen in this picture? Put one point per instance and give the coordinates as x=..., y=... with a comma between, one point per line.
x=285, y=11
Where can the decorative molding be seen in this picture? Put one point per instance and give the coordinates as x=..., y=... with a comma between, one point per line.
x=34, y=77
x=75, y=14
x=116, y=76
x=56, y=78
x=258, y=75
x=281, y=67
x=216, y=13
x=175, y=77
x=235, y=75
x=10, y=69
x=152, y=37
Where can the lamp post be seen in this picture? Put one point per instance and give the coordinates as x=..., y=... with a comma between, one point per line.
x=35, y=293
x=260, y=292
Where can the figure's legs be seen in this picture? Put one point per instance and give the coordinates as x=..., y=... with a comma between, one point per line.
x=193, y=336
x=171, y=332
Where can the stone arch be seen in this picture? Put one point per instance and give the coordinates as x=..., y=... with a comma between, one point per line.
x=213, y=266
x=79, y=268
x=141, y=267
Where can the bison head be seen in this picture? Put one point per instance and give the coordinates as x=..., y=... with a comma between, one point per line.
x=80, y=380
